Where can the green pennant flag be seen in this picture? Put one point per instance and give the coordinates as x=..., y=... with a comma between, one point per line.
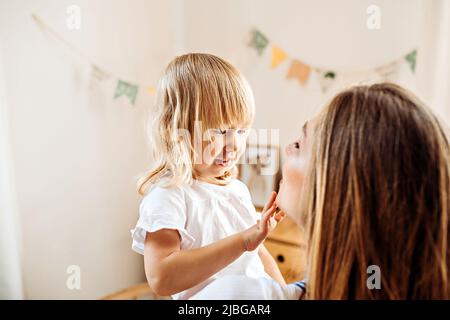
x=126, y=89
x=259, y=41
x=411, y=59
x=330, y=75
x=326, y=79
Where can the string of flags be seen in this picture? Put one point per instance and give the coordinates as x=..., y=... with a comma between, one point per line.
x=123, y=88
x=302, y=71
x=298, y=70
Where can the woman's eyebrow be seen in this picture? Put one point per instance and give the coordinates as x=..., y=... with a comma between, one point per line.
x=304, y=128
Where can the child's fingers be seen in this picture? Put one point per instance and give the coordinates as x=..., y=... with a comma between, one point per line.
x=270, y=201
x=280, y=216
x=268, y=214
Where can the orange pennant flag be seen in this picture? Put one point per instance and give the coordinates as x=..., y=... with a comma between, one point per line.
x=278, y=56
x=300, y=71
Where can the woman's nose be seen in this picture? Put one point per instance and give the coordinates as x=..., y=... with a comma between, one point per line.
x=287, y=149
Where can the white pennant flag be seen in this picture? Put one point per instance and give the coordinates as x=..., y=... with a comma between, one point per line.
x=98, y=75
x=325, y=78
x=388, y=72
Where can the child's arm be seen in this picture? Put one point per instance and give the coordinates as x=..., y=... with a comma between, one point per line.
x=270, y=266
x=170, y=270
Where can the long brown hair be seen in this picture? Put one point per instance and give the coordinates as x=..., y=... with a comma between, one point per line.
x=379, y=188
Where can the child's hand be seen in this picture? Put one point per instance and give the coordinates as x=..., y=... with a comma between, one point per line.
x=256, y=234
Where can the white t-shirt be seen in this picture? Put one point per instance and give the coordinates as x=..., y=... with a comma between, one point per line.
x=235, y=287
x=202, y=213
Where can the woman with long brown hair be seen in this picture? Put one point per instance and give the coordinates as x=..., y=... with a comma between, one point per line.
x=369, y=183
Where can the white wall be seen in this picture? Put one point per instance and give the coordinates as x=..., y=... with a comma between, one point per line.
x=10, y=269
x=77, y=152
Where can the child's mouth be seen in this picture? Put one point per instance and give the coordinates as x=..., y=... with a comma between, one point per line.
x=222, y=163
x=224, y=160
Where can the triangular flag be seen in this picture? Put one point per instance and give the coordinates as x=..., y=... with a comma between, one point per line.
x=411, y=59
x=258, y=41
x=126, y=89
x=326, y=79
x=151, y=89
x=388, y=72
x=278, y=56
x=97, y=75
x=299, y=70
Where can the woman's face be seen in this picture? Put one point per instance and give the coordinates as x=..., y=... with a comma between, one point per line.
x=294, y=170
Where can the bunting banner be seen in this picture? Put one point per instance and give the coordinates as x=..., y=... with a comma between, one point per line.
x=124, y=88
x=299, y=71
x=388, y=72
x=151, y=89
x=97, y=76
x=278, y=56
x=259, y=41
x=325, y=79
x=302, y=71
x=411, y=59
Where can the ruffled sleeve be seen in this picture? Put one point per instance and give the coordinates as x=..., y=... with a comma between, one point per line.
x=161, y=208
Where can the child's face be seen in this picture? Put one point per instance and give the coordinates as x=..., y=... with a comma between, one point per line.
x=222, y=153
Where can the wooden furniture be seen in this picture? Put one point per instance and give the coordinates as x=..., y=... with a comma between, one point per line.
x=286, y=244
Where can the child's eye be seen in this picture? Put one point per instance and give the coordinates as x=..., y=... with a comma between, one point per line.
x=241, y=131
x=296, y=145
x=218, y=131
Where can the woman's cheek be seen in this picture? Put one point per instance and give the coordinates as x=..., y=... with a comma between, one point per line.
x=291, y=186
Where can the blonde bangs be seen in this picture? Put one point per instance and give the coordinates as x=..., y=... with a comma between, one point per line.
x=226, y=100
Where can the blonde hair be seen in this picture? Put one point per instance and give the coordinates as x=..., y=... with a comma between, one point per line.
x=194, y=87
x=378, y=193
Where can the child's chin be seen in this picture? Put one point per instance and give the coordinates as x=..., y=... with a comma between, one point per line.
x=220, y=170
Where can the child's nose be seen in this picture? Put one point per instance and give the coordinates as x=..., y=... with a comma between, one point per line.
x=231, y=141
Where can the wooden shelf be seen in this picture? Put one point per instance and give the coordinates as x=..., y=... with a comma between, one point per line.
x=290, y=259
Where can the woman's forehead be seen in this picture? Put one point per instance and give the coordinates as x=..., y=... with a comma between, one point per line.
x=309, y=124
x=304, y=128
